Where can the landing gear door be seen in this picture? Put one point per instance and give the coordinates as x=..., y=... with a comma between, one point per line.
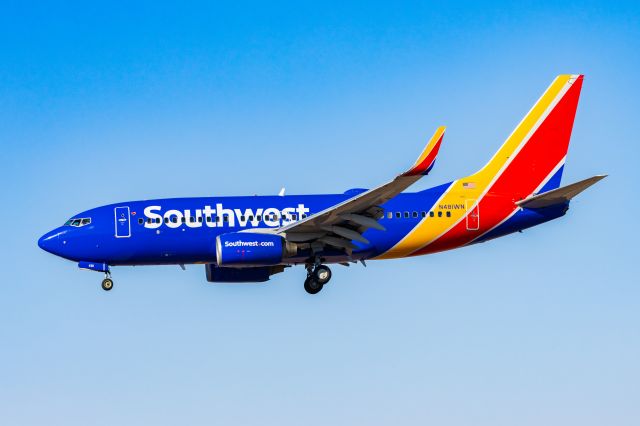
x=473, y=215
x=123, y=222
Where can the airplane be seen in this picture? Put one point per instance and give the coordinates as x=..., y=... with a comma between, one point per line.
x=249, y=239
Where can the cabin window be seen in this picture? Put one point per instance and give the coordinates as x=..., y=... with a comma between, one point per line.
x=200, y=219
x=166, y=220
x=406, y=215
x=431, y=214
x=294, y=217
x=259, y=217
x=424, y=214
x=398, y=215
x=183, y=219
x=448, y=214
x=242, y=218
x=141, y=221
x=415, y=214
x=439, y=214
x=157, y=220
x=389, y=215
x=225, y=218
x=174, y=219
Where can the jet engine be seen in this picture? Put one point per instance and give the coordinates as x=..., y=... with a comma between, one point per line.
x=252, y=249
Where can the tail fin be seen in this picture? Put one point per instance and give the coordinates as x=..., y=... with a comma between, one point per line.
x=532, y=158
x=530, y=161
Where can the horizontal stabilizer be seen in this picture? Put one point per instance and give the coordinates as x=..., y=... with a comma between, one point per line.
x=560, y=195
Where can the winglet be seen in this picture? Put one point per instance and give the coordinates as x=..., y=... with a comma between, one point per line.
x=425, y=162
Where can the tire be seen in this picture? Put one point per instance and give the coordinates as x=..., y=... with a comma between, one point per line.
x=322, y=274
x=312, y=286
x=107, y=284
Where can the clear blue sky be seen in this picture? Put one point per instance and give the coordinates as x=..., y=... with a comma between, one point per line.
x=108, y=102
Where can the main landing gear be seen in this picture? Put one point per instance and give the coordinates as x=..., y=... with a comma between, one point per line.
x=107, y=283
x=317, y=276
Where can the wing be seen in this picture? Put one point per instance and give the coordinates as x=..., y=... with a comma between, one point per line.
x=345, y=222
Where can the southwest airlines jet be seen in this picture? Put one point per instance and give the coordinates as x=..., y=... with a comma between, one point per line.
x=249, y=239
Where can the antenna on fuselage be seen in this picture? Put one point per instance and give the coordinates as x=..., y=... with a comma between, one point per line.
x=281, y=193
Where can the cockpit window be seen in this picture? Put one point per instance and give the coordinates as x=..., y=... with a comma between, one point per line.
x=78, y=222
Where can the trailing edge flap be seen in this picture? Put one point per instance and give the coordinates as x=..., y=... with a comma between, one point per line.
x=558, y=196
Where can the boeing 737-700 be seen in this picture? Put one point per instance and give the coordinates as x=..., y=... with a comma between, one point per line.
x=249, y=239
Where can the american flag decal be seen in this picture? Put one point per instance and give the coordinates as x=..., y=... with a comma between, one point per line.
x=468, y=185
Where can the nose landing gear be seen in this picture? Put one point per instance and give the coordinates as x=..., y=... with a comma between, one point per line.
x=317, y=276
x=107, y=283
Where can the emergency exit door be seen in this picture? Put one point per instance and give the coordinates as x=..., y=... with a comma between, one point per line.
x=123, y=222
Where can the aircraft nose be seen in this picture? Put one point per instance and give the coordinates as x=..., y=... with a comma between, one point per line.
x=49, y=241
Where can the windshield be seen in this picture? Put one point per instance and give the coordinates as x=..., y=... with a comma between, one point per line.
x=78, y=222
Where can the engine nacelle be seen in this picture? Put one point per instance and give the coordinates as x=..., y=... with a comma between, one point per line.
x=252, y=249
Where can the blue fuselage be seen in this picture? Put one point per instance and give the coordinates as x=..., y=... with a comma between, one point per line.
x=184, y=230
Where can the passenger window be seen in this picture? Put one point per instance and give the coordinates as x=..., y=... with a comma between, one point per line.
x=406, y=215
x=225, y=218
x=157, y=220
x=250, y=218
x=183, y=220
x=200, y=219
x=398, y=215
x=209, y=219
x=431, y=214
x=141, y=221
x=439, y=214
x=149, y=220
x=166, y=220
x=259, y=217
x=415, y=214
x=192, y=219
x=448, y=214
x=389, y=215
x=424, y=214
x=242, y=218
x=294, y=217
